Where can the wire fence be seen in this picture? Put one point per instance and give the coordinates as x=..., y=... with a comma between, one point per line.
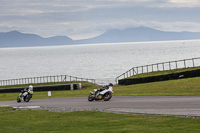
x=44, y=79
x=186, y=63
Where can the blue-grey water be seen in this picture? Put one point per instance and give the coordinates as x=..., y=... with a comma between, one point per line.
x=98, y=61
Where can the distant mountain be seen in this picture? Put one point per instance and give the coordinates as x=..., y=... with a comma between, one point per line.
x=139, y=34
x=17, y=39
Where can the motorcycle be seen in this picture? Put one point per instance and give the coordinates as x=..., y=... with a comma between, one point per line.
x=102, y=93
x=27, y=98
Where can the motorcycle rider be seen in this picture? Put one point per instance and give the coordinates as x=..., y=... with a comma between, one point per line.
x=26, y=90
x=104, y=87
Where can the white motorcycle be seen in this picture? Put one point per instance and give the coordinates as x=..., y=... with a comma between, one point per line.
x=102, y=93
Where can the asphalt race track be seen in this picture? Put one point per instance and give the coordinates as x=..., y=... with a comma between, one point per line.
x=187, y=106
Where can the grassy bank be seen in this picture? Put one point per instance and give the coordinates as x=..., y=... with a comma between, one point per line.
x=86, y=87
x=157, y=73
x=85, y=84
x=188, y=86
x=91, y=121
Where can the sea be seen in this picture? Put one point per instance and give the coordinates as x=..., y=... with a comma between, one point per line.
x=103, y=62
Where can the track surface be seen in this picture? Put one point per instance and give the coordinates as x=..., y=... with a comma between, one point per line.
x=160, y=105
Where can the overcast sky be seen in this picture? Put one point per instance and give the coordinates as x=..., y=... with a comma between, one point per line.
x=79, y=19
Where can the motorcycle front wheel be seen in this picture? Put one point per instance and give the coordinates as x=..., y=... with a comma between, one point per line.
x=27, y=98
x=91, y=98
x=108, y=96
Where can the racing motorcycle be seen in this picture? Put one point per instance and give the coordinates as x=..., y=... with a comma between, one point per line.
x=27, y=98
x=104, y=93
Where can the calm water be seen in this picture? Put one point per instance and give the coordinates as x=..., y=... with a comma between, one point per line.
x=99, y=61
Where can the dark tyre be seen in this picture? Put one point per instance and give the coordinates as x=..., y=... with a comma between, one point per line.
x=19, y=99
x=27, y=98
x=108, y=96
x=91, y=98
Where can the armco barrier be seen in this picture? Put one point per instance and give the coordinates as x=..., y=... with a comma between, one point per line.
x=43, y=79
x=187, y=74
x=163, y=66
x=45, y=88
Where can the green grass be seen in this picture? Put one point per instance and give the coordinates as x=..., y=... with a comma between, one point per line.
x=84, y=84
x=188, y=86
x=184, y=87
x=86, y=87
x=157, y=73
x=92, y=122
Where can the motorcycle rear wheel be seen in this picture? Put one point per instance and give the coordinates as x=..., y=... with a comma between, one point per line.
x=19, y=99
x=91, y=98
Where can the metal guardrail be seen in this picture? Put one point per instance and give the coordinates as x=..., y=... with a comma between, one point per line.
x=44, y=79
x=186, y=63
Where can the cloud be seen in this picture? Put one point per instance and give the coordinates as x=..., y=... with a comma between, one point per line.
x=185, y=3
x=86, y=18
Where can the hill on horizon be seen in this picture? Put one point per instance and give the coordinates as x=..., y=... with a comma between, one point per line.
x=139, y=34
x=18, y=39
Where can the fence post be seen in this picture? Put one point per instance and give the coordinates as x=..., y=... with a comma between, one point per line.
x=65, y=77
x=193, y=62
x=142, y=69
x=157, y=67
x=163, y=67
x=169, y=66
x=184, y=64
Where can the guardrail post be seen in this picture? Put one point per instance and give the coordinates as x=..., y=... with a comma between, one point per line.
x=147, y=68
x=142, y=70
x=184, y=64
x=163, y=67
x=176, y=65
x=193, y=62
x=157, y=67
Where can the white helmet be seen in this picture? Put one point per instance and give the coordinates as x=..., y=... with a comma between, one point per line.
x=30, y=87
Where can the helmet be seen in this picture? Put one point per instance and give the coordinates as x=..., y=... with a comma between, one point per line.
x=30, y=87
x=110, y=84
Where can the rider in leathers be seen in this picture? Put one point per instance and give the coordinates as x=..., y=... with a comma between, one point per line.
x=26, y=90
x=104, y=87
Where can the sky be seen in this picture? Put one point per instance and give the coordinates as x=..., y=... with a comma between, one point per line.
x=79, y=19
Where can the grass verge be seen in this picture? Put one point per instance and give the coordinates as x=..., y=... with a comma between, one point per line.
x=187, y=87
x=85, y=84
x=184, y=87
x=86, y=87
x=92, y=122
